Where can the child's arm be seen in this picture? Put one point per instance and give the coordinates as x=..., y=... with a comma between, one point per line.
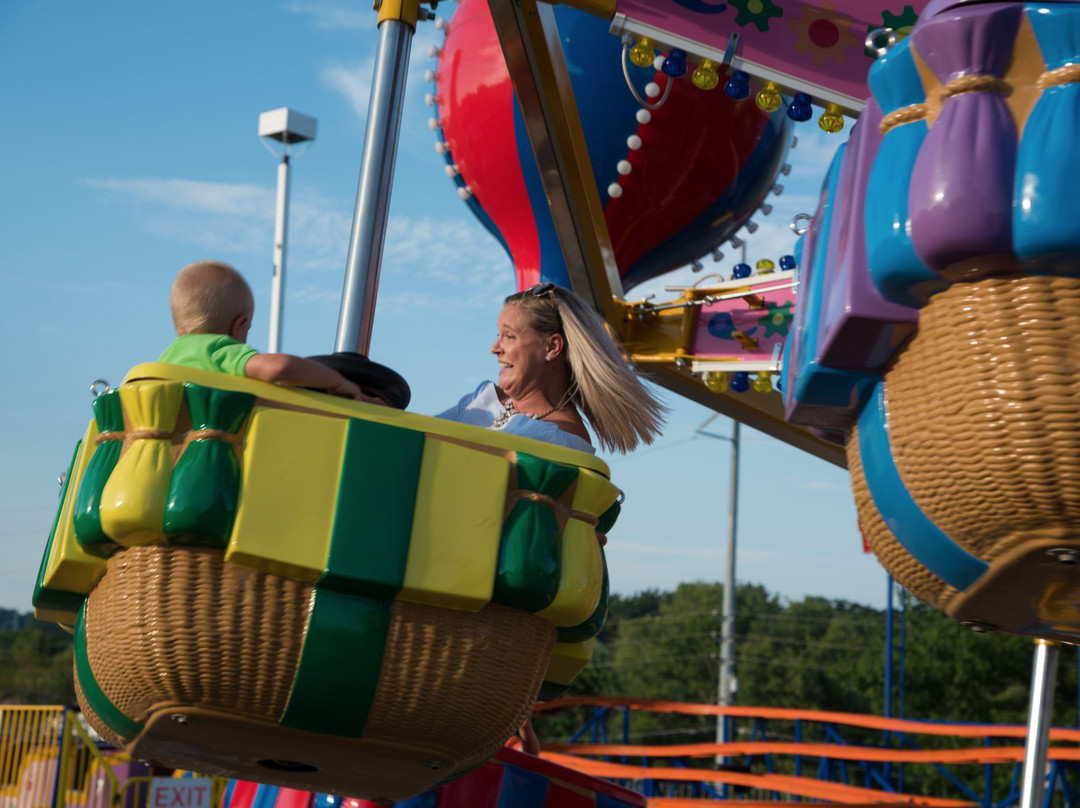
x=299, y=372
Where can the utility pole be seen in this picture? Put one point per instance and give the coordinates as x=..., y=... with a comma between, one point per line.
x=727, y=683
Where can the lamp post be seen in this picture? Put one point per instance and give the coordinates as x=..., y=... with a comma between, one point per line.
x=287, y=127
x=727, y=684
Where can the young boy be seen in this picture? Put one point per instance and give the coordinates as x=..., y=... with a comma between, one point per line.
x=212, y=306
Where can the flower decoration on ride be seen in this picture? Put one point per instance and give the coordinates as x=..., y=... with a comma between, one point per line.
x=777, y=319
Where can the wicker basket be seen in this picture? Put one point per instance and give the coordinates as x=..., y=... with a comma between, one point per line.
x=203, y=655
x=984, y=426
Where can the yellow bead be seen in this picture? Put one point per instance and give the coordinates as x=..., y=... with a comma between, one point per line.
x=706, y=77
x=769, y=99
x=763, y=383
x=832, y=119
x=643, y=52
x=765, y=266
x=717, y=381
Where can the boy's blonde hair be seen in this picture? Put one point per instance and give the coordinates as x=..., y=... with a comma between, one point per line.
x=207, y=297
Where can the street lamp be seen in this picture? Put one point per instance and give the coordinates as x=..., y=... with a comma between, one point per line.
x=288, y=127
x=726, y=685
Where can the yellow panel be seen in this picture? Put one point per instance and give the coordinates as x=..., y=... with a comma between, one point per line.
x=594, y=494
x=133, y=500
x=292, y=462
x=581, y=576
x=568, y=660
x=320, y=402
x=454, y=544
x=70, y=568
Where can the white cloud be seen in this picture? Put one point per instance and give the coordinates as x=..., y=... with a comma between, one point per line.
x=452, y=253
x=235, y=199
x=353, y=82
x=326, y=14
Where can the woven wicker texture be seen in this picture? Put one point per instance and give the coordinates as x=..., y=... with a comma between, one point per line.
x=454, y=684
x=92, y=719
x=912, y=575
x=172, y=626
x=983, y=409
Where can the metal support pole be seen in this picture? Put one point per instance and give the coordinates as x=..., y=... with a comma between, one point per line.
x=1040, y=715
x=281, y=229
x=727, y=629
x=373, y=190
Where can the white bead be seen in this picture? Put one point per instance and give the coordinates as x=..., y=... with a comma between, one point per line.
x=658, y=62
x=464, y=192
x=440, y=23
x=452, y=171
x=643, y=116
x=429, y=99
x=433, y=124
x=430, y=75
x=440, y=147
x=433, y=52
x=624, y=167
x=652, y=89
x=614, y=190
x=634, y=142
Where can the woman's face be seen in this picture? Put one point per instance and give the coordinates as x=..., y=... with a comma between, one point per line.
x=521, y=351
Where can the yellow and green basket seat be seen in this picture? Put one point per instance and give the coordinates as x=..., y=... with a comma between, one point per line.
x=282, y=586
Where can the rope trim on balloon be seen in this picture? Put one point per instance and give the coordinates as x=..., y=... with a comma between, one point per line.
x=904, y=115
x=975, y=83
x=1062, y=75
x=161, y=434
x=149, y=434
x=213, y=434
x=633, y=90
x=544, y=499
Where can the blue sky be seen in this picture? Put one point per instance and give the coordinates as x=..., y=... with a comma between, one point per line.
x=132, y=150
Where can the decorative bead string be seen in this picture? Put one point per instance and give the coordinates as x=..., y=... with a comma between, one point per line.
x=1062, y=75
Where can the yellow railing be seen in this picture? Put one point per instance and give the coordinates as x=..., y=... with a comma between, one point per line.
x=30, y=740
x=49, y=760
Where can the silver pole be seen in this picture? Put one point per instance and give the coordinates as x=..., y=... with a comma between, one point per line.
x=1040, y=715
x=727, y=629
x=281, y=224
x=373, y=190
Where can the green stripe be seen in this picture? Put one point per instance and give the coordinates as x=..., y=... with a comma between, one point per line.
x=339, y=664
x=56, y=599
x=125, y=727
x=369, y=542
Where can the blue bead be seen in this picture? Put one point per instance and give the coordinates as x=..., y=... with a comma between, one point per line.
x=740, y=382
x=787, y=262
x=800, y=109
x=738, y=86
x=740, y=271
x=675, y=63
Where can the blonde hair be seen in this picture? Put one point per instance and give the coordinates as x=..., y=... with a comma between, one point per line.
x=207, y=297
x=621, y=410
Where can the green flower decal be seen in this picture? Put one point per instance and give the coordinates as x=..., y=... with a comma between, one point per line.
x=899, y=23
x=756, y=12
x=777, y=319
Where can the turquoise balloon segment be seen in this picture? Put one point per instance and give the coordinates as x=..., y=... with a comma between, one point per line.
x=918, y=534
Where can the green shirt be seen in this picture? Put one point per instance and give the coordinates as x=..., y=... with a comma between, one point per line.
x=215, y=352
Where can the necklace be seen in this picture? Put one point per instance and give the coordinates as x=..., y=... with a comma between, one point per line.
x=509, y=412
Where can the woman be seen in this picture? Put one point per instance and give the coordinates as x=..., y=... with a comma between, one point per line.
x=557, y=363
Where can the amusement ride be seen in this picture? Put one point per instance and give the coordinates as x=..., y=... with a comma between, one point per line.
x=339, y=599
